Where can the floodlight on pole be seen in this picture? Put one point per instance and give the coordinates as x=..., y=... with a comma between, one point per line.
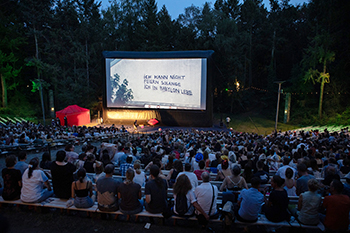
x=278, y=101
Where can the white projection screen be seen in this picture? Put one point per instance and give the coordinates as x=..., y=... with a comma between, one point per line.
x=156, y=83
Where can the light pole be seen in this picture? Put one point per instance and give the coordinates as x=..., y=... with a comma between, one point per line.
x=278, y=101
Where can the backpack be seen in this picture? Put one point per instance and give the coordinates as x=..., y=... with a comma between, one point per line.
x=181, y=204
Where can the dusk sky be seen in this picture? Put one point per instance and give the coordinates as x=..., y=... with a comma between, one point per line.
x=176, y=7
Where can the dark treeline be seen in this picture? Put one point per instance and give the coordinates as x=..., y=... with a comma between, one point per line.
x=60, y=43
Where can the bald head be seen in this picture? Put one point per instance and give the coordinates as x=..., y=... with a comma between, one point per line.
x=205, y=177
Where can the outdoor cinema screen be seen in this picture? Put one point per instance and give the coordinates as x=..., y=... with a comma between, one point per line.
x=156, y=83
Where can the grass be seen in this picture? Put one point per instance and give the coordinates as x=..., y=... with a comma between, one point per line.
x=263, y=126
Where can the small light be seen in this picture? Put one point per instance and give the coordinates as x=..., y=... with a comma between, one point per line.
x=52, y=109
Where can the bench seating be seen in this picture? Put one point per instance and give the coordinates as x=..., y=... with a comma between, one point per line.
x=58, y=203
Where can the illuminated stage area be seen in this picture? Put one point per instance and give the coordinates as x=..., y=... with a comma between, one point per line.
x=172, y=87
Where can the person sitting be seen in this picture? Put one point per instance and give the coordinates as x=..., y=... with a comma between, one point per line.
x=199, y=172
x=185, y=201
x=190, y=175
x=235, y=182
x=263, y=175
x=206, y=195
x=171, y=177
x=107, y=189
x=282, y=170
x=309, y=204
x=346, y=189
x=129, y=194
x=140, y=177
x=89, y=164
x=62, y=176
x=125, y=166
x=337, y=207
x=21, y=164
x=249, y=202
x=276, y=207
x=156, y=192
x=12, y=180
x=304, y=177
x=33, y=180
x=45, y=162
x=224, y=172
x=82, y=190
x=71, y=156
x=289, y=183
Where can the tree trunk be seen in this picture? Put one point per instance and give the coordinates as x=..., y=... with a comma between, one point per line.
x=87, y=64
x=4, y=91
x=321, y=91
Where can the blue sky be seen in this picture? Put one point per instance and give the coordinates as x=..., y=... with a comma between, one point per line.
x=176, y=7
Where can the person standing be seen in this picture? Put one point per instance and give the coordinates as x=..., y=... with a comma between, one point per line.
x=65, y=121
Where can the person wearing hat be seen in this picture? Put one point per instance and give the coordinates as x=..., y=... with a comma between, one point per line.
x=198, y=157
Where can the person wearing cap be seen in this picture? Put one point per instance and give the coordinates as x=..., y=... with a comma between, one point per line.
x=198, y=157
x=107, y=189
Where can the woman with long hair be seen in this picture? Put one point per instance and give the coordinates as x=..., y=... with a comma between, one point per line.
x=82, y=190
x=33, y=180
x=171, y=177
x=235, y=182
x=290, y=183
x=156, y=192
x=183, y=195
x=129, y=194
x=224, y=172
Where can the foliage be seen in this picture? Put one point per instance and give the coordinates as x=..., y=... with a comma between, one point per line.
x=254, y=45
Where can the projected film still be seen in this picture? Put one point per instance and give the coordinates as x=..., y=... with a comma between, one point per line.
x=156, y=83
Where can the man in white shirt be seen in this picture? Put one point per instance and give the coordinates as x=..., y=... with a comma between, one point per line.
x=190, y=175
x=204, y=194
x=282, y=170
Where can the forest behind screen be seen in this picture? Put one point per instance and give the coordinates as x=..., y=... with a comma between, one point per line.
x=57, y=45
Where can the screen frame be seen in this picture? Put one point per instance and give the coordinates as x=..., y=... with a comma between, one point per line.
x=158, y=55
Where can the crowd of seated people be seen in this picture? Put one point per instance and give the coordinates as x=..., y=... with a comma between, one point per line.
x=191, y=155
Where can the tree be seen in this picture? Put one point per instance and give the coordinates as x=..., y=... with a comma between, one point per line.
x=7, y=71
x=319, y=53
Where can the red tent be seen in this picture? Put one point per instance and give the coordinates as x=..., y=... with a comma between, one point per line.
x=75, y=115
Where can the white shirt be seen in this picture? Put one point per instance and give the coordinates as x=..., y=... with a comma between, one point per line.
x=192, y=177
x=140, y=179
x=32, y=188
x=204, y=196
x=282, y=171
